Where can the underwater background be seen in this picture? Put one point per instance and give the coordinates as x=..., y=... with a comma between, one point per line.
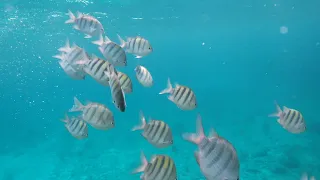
x=233, y=54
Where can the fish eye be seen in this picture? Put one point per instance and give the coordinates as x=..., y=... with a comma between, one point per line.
x=118, y=106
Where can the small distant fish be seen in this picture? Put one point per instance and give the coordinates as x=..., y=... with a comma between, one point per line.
x=96, y=67
x=137, y=46
x=161, y=167
x=305, y=177
x=71, y=72
x=290, y=119
x=143, y=76
x=125, y=82
x=217, y=157
x=95, y=114
x=77, y=127
x=117, y=93
x=182, y=96
x=86, y=24
x=111, y=51
x=157, y=132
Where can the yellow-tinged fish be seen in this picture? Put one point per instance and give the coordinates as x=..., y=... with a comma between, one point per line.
x=290, y=119
x=76, y=127
x=137, y=46
x=182, y=96
x=161, y=167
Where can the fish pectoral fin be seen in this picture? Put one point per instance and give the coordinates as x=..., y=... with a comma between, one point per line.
x=138, y=57
x=92, y=29
x=87, y=36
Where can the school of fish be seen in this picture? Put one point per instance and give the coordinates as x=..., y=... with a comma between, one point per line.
x=216, y=157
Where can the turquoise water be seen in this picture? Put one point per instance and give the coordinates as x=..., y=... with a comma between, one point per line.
x=244, y=65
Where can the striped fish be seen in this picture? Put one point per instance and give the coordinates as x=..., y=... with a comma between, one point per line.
x=95, y=114
x=76, y=127
x=137, y=46
x=86, y=24
x=143, y=76
x=111, y=51
x=182, y=96
x=290, y=119
x=161, y=167
x=116, y=90
x=71, y=72
x=125, y=82
x=217, y=157
x=96, y=67
x=158, y=133
x=305, y=177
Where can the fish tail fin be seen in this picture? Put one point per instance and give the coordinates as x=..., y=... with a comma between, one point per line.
x=100, y=41
x=195, y=137
x=71, y=16
x=278, y=113
x=169, y=88
x=122, y=42
x=143, y=122
x=66, y=48
x=59, y=56
x=77, y=105
x=144, y=164
x=66, y=118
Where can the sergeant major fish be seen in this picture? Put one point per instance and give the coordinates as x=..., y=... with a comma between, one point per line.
x=96, y=67
x=290, y=119
x=125, y=82
x=217, y=157
x=182, y=96
x=161, y=167
x=158, y=133
x=111, y=51
x=117, y=93
x=96, y=114
x=71, y=72
x=143, y=76
x=86, y=24
x=76, y=127
x=137, y=46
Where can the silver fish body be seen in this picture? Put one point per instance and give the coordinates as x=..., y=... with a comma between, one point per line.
x=71, y=72
x=217, y=157
x=290, y=119
x=137, y=46
x=143, y=76
x=95, y=114
x=156, y=132
x=125, y=82
x=111, y=51
x=96, y=68
x=76, y=127
x=117, y=93
x=161, y=167
x=86, y=24
x=182, y=96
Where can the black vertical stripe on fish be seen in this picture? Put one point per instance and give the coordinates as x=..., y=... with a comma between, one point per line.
x=80, y=23
x=287, y=114
x=138, y=70
x=297, y=120
x=159, y=132
x=157, y=170
x=91, y=22
x=161, y=135
x=117, y=53
x=216, y=158
x=82, y=127
x=162, y=168
x=85, y=23
x=156, y=129
x=153, y=167
x=139, y=44
x=90, y=63
x=105, y=68
x=121, y=75
x=168, y=170
x=144, y=43
x=187, y=96
x=211, y=147
x=98, y=68
x=94, y=109
x=226, y=162
x=183, y=90
x=76, y=124
x=292, y=117
x=93, y=64
x=133, y=44
x=151, y=129
x=175, y=92
x=148, y=130
x=72, y=122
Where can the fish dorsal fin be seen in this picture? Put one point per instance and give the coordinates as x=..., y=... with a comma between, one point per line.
x=213, y=134
x=285, y=109
x=94, y=57
x=79, y=14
